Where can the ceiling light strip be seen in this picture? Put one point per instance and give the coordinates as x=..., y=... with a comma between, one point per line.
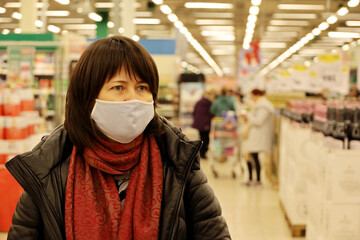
x=178, y=24
x=303, y=41
x=251, y=23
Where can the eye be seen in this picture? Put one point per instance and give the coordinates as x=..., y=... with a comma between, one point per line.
x=143, y=87
x=118, y=87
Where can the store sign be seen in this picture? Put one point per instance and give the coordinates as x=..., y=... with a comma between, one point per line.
x=332, y=74
x=20, y=66
x=284, y=81
x=300, y=78
x=314, y=80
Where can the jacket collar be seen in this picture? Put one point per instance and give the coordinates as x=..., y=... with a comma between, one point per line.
x=174, y=146
x=177, y=149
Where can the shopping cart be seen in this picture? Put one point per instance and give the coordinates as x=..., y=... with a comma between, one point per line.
x=224, y=144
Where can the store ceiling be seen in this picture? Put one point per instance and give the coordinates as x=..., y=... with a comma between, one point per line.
x=277, y=29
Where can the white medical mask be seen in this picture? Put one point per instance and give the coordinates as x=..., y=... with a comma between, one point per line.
x=122, y=121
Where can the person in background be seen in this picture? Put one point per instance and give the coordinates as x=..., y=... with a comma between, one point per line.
x=260, y=133
x=222, y=103
x=202, y=119
x=115, y=169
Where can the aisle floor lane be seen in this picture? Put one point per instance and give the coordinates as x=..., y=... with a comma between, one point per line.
x=252, y=213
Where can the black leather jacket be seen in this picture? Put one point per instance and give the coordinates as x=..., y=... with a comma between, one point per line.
x=189, y=208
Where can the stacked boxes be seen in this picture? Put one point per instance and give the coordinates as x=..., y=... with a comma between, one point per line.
x=18, y=121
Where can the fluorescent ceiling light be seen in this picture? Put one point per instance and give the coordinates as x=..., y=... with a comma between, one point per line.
x=165, y=9
x=254, y=10
x=5, y=20
x=208, y=5
x=53, y=28
x=250, y=25
x=18, y=5
x=252, y=18
x=316, y=31
x=343, y=35
x=63, y=2
x=172, y=17
x=221, y=38
x=55, y=13
x=104, y=5
x=16, y=15
x=94, y=16
x=178, y=24
x=353, y=3
x=309, y=36
x=289, y=23
x=17, y=30
x=295, y=15
x=146, y=21
x=111, y=5
x=217, y=33
x=213, y=22
x=213, y=15
x=110, y=24
x=79, y=26
x=272, y=45
x=342, y=11
x=352, y=23
x=222, y=52
x=136, y=38
x=346, y=47
x=256, y=2
x=217, y=28
x=301, y=7
x=275, y=28
x=39, y=23
x=66, y=20
x=323, y=26
x=332, y=19
x=158, y=2
x=281, y=34
x=2, y=10
x=143, y=14
x=347, y=29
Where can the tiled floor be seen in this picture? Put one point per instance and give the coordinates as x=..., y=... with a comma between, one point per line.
x=252, y=213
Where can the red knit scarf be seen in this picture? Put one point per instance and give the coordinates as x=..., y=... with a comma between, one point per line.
x=92, y=202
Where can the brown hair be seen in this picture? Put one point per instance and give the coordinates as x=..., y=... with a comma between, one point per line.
x=101, y=61
x=258, y=92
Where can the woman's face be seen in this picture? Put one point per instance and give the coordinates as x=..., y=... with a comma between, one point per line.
x=123, y=87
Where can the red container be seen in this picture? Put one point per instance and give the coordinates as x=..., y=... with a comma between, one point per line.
x=10, y=192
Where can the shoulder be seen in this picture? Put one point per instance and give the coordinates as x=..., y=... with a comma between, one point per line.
x=47, y=154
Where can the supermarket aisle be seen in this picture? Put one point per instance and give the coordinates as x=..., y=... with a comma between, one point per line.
x=252, y=213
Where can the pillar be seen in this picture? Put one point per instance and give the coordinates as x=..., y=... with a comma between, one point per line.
x=29, y=16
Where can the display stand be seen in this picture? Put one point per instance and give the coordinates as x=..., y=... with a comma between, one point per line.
x=28, y=89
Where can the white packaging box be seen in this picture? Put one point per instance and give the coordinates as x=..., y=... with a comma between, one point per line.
x=296, y=207
x=4, y=147
x=342, y=221
x=342, y=176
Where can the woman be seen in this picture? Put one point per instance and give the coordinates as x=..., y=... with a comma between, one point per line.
x=116, y=169
x=260, y=135
x=202, y=119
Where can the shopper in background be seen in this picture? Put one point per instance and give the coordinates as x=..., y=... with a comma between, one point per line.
x=202, y=119
x=222, y=103
x=116, y=169
x=260, y=133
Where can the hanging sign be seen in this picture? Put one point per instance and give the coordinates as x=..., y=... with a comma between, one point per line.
x=300, y=77
x=331, y=73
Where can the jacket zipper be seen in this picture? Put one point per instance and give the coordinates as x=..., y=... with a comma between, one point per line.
x=187, y=171
x=35, y=189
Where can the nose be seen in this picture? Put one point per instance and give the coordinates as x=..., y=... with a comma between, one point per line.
x=130, y=95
